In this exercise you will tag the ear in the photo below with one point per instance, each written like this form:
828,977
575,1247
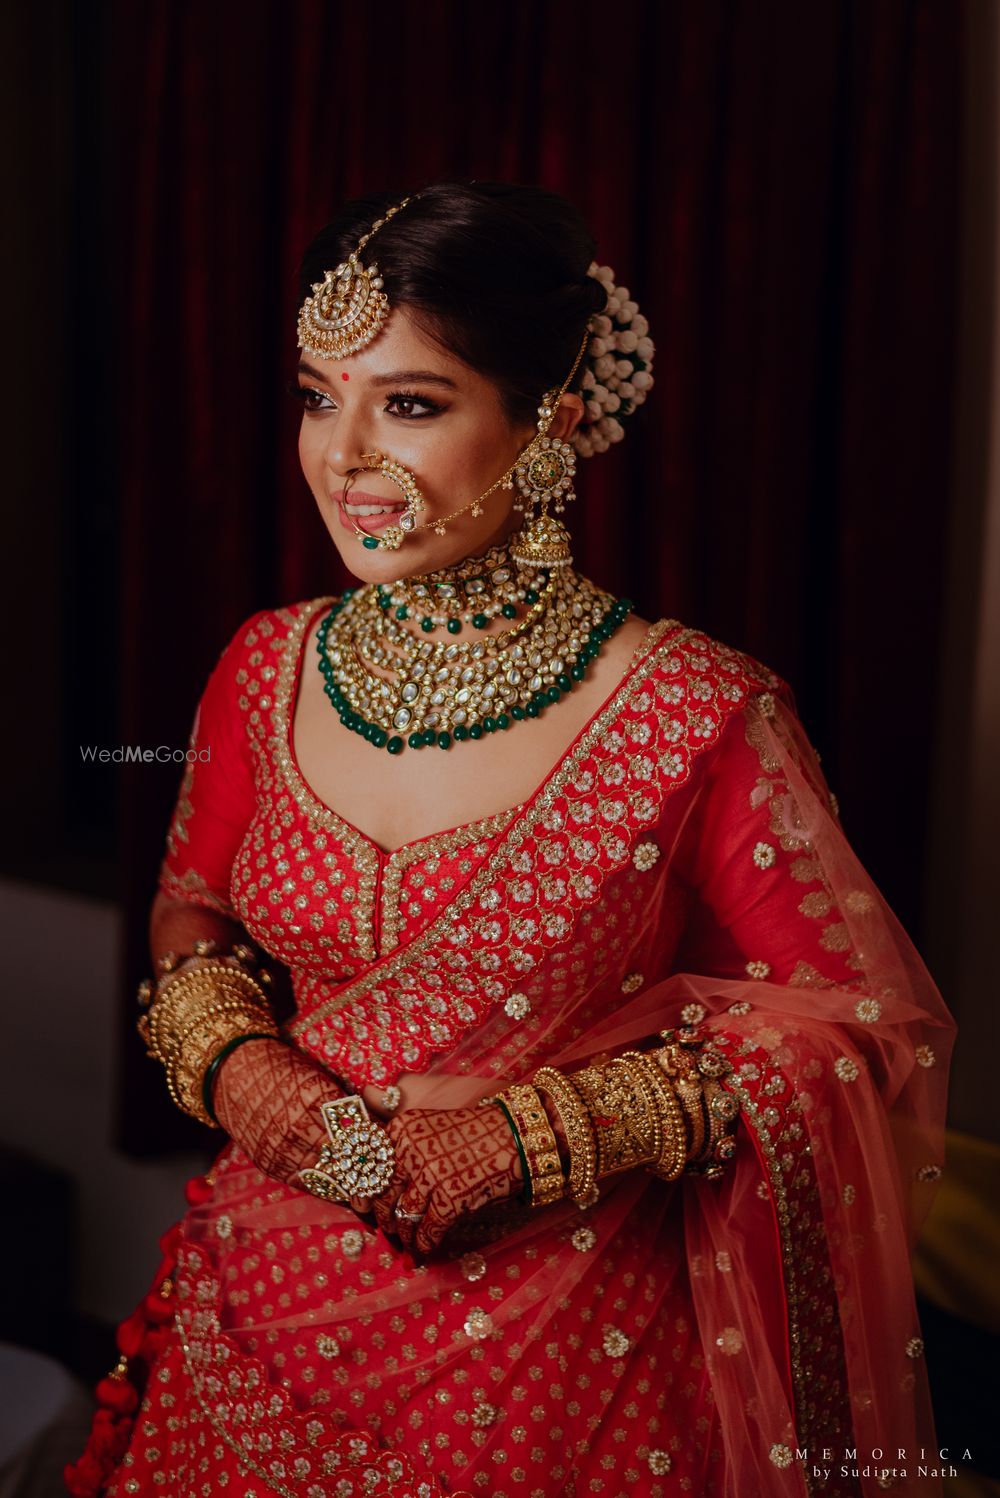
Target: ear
567,417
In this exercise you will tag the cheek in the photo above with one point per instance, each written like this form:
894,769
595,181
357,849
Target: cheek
310,451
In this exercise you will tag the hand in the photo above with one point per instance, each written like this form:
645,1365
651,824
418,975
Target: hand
267,1097
450,1162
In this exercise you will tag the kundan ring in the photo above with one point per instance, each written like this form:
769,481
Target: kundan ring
409,1216
359,1158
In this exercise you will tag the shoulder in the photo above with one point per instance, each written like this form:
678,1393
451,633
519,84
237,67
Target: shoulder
703,668
265,633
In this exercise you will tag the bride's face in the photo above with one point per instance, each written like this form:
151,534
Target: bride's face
405,397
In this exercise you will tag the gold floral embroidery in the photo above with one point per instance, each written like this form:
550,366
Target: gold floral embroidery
191,886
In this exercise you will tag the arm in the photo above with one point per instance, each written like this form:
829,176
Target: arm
264,1094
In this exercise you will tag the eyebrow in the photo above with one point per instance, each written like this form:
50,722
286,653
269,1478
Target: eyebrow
395,377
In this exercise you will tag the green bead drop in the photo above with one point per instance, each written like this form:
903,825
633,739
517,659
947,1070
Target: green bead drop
427,625
370,543
395,745
476,731
509,611
454,625
402,612
416,741
444,740
480,621
503,721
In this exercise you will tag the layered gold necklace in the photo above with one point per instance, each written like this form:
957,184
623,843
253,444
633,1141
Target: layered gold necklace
397,687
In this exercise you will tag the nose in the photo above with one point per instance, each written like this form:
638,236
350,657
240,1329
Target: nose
347,443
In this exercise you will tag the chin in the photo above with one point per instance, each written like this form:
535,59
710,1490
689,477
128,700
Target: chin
425,552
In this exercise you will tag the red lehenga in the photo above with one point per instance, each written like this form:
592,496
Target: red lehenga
681,864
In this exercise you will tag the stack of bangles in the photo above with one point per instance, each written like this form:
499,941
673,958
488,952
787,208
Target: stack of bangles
666,1110
196,1016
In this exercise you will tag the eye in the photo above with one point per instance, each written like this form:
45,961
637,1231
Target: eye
310,399
410,407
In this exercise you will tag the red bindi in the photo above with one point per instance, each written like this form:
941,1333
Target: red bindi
345,377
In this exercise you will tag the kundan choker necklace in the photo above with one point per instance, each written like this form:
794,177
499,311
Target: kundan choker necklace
396,687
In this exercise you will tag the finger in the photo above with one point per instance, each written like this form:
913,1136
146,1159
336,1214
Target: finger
383,1206
362,1205
430,1230
408,1213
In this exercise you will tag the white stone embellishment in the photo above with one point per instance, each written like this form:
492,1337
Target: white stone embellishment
645,856
326,1346
764,855
583,1240
484,1414
224,1228
757,968
473,1266
352,1241
929,1173
780,1454
924,1056
632,982
616,1344
868,1010
740,1007
478,1324
730,1341
659,1462
846,1069
693,1014
915,1348
517,1005
848,1195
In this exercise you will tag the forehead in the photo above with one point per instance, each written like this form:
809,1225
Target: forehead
401,348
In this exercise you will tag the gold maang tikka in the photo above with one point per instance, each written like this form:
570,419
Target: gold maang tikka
348,308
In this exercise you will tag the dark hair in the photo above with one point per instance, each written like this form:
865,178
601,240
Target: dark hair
494,273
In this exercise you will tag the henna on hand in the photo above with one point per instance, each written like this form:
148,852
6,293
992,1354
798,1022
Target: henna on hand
267,1097
450,1163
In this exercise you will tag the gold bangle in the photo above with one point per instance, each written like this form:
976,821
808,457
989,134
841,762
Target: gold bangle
185,1074
673,1149
686,1079
186,994
194,1015
545,1172
581,1184
626,1125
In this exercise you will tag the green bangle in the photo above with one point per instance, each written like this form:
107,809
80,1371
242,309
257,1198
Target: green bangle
526,1192
212,1069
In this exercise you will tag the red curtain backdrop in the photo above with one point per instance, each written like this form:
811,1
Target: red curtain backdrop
777,185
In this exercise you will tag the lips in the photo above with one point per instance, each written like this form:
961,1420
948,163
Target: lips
367,522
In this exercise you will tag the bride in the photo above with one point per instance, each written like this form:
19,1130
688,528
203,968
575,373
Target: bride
589,1158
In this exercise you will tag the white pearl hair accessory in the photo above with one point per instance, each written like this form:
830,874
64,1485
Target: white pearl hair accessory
617,369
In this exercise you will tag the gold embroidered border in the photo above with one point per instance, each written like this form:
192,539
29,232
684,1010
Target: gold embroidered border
438,845
245,1460
516,835
751,1113
361,850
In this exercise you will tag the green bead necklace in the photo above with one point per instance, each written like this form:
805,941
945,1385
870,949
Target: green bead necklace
453,691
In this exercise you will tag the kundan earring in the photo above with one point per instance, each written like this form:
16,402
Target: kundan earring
544,476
